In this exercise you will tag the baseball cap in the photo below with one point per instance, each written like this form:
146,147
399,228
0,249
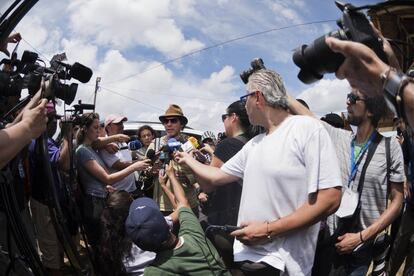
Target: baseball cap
145,224
114,118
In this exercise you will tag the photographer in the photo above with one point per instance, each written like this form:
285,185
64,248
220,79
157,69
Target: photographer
94,175
369,74
50,248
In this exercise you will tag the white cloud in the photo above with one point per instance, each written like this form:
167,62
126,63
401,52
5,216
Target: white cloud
326,96
146,96
129,23
80,51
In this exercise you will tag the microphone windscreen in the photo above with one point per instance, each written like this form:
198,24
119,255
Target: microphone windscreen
134,145
194,141
80,72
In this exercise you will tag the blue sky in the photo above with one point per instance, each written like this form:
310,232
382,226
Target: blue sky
120,39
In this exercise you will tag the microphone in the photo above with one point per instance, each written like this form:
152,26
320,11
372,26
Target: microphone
77,71
190,145
132,146
173,145
151,155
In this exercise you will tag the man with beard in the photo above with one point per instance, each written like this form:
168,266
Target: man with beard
366,188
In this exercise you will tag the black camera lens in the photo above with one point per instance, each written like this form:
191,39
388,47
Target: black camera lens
316,59
65,92
256,64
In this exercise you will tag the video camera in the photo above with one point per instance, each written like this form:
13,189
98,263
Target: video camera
256,64
12,81
316,59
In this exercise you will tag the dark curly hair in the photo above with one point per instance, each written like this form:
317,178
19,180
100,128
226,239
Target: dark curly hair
145,127
377,107
115,244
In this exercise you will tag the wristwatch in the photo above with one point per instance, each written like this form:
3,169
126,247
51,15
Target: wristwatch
393,86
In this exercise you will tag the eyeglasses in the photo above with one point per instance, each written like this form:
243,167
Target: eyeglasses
243,99
171,120
352,98
224,116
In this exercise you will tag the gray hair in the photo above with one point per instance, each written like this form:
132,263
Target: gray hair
271,85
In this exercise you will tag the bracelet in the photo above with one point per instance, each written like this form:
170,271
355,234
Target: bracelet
360,236
268,236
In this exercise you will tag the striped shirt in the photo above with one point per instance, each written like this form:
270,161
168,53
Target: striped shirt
374,193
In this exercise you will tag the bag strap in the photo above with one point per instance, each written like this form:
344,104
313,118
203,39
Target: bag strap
388,157
370,154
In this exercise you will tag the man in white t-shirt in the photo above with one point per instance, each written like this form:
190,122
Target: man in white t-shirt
291,180
114,124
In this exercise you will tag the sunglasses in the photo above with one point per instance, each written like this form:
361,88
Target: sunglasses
352,98
170,120
224,117
243,99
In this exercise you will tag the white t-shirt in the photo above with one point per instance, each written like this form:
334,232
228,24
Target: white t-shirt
127,183
279,171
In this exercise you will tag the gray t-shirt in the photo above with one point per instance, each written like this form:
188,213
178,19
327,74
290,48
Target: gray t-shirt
92,186
374,193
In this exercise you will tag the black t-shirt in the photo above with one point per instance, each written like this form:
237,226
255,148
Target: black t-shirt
223,203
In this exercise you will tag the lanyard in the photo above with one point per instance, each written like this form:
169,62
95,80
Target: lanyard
354,165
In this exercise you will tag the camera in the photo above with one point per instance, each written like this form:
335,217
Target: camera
316,59
380,250
11,81
255,65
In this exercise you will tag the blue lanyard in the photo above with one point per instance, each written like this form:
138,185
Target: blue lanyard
354,165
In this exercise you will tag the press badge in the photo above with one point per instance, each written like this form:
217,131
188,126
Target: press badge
349,203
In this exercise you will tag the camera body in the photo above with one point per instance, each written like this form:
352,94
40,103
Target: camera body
12,82
316,59
255,65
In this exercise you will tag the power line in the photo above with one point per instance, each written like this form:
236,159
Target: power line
172,95
220,44
130,98
145,104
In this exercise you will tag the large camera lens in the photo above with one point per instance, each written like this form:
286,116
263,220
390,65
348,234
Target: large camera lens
65,92
316,59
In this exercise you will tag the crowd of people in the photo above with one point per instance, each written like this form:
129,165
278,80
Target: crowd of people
284,193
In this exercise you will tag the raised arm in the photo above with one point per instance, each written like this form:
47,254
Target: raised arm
179,193
14,138
363,69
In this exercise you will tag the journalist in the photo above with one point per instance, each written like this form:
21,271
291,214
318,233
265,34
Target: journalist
94,175
114,124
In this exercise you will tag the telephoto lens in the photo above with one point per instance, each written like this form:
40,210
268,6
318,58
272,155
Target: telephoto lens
379,253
